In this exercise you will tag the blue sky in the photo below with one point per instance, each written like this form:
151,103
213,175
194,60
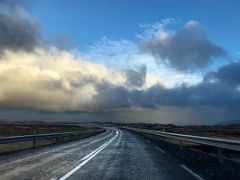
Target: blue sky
87,21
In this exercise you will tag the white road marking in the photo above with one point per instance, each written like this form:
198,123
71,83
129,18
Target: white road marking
88,158
191,172
55,150
162,151
148,141
90,154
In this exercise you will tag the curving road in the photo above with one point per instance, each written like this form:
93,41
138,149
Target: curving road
114,154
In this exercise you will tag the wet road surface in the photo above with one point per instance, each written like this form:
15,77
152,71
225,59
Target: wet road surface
114,154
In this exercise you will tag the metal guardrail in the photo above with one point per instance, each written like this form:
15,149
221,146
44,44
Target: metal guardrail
215,142
34,138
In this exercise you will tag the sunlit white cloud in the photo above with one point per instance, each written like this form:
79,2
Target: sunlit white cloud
51,80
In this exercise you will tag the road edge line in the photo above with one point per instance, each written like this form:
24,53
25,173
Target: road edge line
89,157
159,149
191,172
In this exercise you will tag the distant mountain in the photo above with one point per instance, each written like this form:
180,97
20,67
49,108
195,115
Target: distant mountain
230,122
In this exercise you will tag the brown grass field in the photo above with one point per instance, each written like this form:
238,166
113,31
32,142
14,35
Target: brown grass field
19,129
222,131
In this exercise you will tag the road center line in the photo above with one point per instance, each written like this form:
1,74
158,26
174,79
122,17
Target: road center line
162,151
191,172
88,158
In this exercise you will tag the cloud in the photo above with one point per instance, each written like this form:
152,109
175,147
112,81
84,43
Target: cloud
152,30
122,54
34,78
18,31
136,77
185,50
51,80
56,81
110,97
202,94
229,73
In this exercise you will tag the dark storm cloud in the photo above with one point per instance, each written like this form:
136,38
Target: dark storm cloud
110,96
220,93
136,77
229,73
185,50
204,94
18,31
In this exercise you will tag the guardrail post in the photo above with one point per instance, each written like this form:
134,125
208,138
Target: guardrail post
220,155
164,139
34,140
181,144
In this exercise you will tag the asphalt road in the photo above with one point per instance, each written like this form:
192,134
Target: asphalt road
114,154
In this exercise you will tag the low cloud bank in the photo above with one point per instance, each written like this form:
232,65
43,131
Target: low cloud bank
56,81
